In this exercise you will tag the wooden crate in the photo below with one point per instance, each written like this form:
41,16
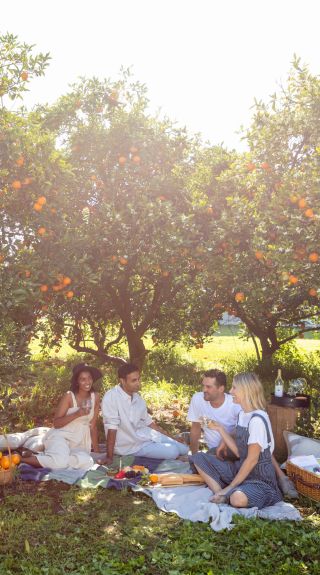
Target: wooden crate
282,419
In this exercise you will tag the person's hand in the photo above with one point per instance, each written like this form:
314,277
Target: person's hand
82,411
221,451
105,460
215,425
220,496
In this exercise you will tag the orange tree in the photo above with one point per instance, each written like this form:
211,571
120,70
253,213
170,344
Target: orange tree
261,237
115,244
20,161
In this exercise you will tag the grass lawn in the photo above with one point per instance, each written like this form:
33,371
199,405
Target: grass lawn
50,528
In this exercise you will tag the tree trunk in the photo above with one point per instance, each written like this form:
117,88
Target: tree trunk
137,350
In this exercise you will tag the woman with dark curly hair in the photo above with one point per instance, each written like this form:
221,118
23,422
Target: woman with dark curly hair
74,431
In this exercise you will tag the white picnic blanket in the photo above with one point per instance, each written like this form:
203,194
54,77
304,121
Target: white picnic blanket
192,503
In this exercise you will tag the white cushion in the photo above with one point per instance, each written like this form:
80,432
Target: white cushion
299,445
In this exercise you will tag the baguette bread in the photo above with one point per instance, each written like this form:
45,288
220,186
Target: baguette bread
179,479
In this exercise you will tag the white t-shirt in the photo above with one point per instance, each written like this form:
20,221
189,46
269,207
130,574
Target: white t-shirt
226,414
129,416
257,429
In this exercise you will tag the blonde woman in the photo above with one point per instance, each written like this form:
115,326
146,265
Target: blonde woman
250,481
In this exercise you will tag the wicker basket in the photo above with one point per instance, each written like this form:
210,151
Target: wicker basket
6,475
306,482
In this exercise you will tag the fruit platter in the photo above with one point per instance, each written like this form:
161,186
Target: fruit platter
152,479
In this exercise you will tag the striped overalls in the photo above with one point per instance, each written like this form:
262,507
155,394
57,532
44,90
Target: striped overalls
260,486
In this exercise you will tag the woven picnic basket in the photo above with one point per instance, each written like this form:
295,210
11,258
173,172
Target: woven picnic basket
6,475
306,482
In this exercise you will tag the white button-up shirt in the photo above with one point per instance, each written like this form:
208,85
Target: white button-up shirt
128,415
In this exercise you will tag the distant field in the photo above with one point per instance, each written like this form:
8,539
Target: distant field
225,344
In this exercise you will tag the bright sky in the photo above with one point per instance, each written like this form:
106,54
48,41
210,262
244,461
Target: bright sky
203,61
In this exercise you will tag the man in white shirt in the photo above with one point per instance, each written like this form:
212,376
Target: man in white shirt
211,403
129,428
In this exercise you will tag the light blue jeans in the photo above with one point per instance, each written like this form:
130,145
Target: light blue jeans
166,448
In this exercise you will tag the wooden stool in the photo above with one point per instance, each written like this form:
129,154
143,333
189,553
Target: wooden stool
282,418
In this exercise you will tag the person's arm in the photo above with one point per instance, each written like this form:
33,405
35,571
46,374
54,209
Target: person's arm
111,420
61,418
93,424
111,440
195,434
226,437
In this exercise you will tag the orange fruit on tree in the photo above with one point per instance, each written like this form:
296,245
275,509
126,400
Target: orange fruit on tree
5,462
20,161
66,281
15,458
250,166
302,203
133,150
136,159
239,297
41,231
44,288
313,257
24,75
176,413
313,292
309,213
293,199
293,279
37,207
259,255
123,261
69,294
42,200
265,166
27,181
122,160
16,184
27,273
210,211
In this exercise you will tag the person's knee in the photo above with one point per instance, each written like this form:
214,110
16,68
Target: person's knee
238,499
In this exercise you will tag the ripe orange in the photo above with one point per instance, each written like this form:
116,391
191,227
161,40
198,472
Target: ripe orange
313,292
42,200
43,288
210,211
66,281
154,478
239,297
309,213
41,231
265,166
293,279
122,160
259,255
37,207
69,294
313,257
302,203
24,75
20,161
250,167
136,159
176,413
165,274
16,185
5,462
293,199
15,458
27,273
123,261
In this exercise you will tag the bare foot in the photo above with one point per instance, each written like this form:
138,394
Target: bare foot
218,499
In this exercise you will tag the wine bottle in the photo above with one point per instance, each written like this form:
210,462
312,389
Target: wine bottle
278,385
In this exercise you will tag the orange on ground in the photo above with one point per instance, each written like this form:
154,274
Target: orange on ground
69,294
313,257
313,292
16,184
239,297
43,288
